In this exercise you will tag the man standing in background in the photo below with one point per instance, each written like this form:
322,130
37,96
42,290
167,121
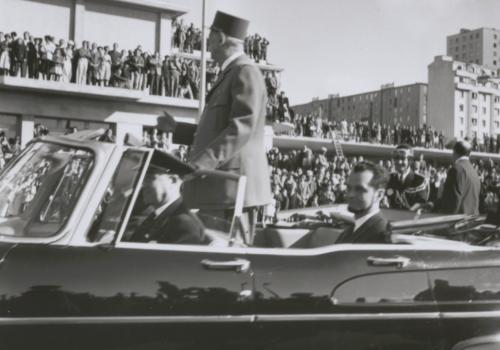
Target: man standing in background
462,186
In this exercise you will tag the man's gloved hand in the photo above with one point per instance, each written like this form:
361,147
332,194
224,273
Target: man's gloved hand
166,122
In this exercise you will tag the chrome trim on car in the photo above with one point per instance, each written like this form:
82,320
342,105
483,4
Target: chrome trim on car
24,321
247,318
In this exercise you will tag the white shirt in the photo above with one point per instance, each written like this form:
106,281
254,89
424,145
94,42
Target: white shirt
230,59
403,176
363,219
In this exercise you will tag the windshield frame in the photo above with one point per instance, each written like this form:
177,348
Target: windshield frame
101,153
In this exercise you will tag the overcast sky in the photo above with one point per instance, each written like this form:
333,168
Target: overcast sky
351,46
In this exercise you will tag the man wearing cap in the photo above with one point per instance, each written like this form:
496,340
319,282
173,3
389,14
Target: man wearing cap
406,189
171,221
230,134
462,185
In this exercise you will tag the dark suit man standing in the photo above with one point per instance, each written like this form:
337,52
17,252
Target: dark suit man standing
171,221
406,189
462,186
230,134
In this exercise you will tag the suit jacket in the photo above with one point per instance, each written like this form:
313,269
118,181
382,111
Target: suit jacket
230,137
174,225
461,190
404,194
374,230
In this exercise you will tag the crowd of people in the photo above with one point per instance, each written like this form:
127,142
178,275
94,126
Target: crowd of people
9,147
255,47
303,178
92,64
185,38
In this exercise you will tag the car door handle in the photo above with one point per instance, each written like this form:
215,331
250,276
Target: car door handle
238,265
399,261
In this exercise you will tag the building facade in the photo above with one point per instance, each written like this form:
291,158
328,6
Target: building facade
391,105
480,46
463,99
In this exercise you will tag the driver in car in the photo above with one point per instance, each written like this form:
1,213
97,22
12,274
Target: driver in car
171,221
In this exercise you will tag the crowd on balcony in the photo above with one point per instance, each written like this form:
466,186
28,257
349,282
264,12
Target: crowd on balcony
255,46
93,64
303,178
185,38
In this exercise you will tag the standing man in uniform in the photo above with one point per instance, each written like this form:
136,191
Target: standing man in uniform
406,189
230,134
462,186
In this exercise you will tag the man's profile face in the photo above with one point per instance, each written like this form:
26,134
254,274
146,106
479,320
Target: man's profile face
361,195
214,39
401,160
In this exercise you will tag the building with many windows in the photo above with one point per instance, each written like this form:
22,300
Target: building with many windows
463,98
390,105
480,46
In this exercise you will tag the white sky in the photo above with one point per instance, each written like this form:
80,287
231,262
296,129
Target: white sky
351,46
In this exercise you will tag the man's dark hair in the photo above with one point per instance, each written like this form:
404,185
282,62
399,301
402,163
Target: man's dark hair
380,175
462,148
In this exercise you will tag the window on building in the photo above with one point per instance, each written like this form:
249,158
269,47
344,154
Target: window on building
474,121
477,35
497,99
462,121
497,112
494,63
462,94
461,79
474,95
461,133
484,98
395,102
474,109
495,45
461,108
484,110
484,123
497,124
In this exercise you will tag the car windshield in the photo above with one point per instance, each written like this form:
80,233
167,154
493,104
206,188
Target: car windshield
38,192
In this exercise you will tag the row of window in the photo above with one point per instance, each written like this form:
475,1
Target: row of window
471,37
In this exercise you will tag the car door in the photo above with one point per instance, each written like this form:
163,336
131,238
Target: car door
344,297
465,282
99,292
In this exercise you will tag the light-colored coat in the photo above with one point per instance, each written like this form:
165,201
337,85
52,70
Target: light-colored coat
230,137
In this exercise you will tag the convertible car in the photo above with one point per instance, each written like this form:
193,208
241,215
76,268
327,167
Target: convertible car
71,278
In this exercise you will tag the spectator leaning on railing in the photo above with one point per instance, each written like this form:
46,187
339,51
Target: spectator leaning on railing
93,64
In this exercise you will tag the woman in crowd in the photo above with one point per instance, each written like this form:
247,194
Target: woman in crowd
68,62
56,66
4,54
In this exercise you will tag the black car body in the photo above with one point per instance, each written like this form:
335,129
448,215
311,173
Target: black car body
69,279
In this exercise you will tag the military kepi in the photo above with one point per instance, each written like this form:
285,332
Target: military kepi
233,26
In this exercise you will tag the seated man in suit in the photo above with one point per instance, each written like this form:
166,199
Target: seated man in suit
171,221
365,189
